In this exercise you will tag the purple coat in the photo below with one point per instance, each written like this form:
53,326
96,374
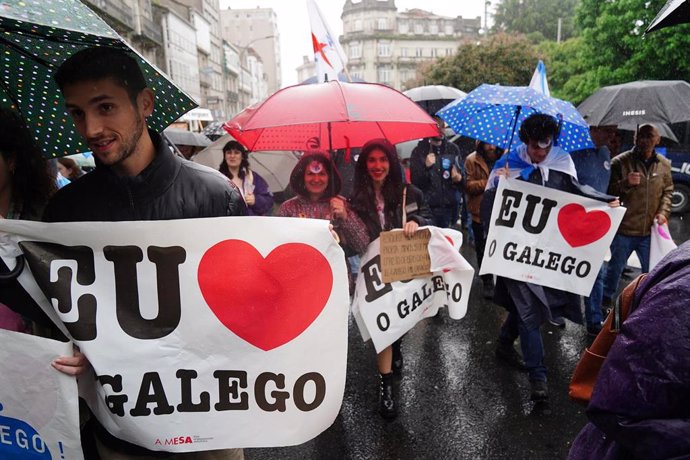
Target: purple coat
640,407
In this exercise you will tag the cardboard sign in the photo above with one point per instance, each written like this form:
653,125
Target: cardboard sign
404,258
548,237
39,412
204,333
385,311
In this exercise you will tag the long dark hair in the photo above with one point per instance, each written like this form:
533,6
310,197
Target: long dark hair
31,184
297,175
244,165
364,198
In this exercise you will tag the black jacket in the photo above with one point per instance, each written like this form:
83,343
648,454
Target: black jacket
169,188
436,183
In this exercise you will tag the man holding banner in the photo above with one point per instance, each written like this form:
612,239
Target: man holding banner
534,274
136,178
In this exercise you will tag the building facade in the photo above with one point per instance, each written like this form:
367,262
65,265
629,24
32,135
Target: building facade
256,29
387,46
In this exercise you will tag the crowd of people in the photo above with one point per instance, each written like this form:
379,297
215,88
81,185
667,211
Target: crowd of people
138,178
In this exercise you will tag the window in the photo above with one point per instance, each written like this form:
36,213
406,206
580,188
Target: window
433,28
433,52
384,49
419,28
403,52
449,29
449,51
384,75
382,24
404,76
355,51
358,24
403,27
419,52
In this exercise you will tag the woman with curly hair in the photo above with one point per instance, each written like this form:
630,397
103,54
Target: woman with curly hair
235,166
317,183
25,187
384,201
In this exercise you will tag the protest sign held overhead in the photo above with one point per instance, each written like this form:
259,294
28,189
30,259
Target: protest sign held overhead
386,311
205,333
548,237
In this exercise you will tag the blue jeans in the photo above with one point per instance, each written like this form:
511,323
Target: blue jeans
530,343
621,248
593,302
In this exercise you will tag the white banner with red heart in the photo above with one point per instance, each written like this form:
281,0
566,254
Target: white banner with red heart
39,414
548,237
203,333
384,312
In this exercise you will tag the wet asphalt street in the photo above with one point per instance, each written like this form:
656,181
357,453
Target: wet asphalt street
456,400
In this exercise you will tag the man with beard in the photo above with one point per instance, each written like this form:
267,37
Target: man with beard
137,177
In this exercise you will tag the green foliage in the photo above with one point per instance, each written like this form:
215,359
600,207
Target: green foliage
613,50
508,60
530,16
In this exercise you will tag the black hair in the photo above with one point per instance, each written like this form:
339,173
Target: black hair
364,197
31,184
98,63
297,175
538,127
244,165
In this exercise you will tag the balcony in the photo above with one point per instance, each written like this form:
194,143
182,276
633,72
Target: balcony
115,10
205,79
150,30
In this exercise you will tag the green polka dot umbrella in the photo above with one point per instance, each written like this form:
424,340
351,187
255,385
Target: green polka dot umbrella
37,36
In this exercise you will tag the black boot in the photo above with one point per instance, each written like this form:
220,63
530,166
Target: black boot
388,407
539,390
397,357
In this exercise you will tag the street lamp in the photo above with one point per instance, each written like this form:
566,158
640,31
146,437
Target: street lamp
243,50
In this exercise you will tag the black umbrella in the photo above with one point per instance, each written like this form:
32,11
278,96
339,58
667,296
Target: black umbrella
673,13
433,98
638,102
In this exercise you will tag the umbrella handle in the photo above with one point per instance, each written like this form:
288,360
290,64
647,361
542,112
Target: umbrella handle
15,272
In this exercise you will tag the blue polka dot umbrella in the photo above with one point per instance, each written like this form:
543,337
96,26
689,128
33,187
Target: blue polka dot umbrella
494,113
37,36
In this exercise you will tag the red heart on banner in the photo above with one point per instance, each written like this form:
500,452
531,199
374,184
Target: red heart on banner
265,301
579,227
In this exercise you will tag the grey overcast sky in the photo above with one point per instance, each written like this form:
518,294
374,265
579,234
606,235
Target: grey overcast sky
295,31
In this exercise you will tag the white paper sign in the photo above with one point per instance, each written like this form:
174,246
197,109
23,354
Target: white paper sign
203,333
39,412
548,237
386,311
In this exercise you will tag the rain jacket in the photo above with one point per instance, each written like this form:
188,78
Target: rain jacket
640,407
644,201
477,174
168,188
436,182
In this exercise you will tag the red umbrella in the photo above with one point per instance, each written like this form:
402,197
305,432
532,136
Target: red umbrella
328,116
